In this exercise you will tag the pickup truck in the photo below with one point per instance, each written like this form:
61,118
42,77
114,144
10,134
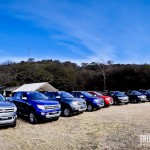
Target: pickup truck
136,96
118,97
107,99
69,104
36,106
146,93
91,101
8,113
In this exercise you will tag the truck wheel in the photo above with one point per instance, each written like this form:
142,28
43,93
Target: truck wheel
116,103
67,112
14,124
89,107
134,100
32,118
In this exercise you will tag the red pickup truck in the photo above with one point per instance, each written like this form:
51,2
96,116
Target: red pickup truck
107,99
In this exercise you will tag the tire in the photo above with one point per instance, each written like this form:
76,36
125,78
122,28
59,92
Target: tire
105,105
126,103
67,112
115,103
136,101
32,118
89,107
14,124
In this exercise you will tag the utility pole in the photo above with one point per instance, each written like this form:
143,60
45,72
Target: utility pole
28,53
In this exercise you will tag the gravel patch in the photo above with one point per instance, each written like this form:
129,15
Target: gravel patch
113,128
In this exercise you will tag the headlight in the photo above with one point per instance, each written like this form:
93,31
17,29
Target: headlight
59,106
41,107
75,103
15,109
119,98
97,100
108,99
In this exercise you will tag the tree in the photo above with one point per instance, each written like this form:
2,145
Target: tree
105,70
30,60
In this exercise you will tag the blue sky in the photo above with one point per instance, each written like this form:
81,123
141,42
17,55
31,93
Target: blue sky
75,30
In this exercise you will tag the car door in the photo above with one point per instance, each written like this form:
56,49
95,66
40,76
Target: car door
131,96
16,100
24,103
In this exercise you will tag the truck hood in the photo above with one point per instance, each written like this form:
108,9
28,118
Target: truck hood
6,104
45,102
105,96
139,94
123,96
75,99
94,98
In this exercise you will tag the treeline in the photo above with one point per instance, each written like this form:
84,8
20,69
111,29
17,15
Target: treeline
70,76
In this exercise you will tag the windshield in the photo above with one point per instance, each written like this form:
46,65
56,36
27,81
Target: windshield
37,96
118,93
136,93
2,98
66,95
97,93
87,94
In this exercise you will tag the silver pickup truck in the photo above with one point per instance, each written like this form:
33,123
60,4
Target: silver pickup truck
8,112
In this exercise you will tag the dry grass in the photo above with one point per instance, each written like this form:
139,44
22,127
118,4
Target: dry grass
115,128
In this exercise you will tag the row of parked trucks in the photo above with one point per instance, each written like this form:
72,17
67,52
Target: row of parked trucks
38,106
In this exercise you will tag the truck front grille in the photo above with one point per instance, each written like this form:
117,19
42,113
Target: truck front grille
50,107
81,103
6,110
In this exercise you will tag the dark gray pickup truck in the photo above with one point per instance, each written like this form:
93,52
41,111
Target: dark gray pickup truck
8,112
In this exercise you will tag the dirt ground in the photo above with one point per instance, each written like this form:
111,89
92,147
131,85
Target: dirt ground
113,128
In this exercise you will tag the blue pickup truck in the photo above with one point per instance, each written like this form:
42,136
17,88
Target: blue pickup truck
69,104
36,106
92,101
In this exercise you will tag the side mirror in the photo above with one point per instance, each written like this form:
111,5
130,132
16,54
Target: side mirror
47,97
94,95
81,96
7,99
24,98
58,97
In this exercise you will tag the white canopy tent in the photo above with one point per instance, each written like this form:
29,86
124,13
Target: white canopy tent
43,86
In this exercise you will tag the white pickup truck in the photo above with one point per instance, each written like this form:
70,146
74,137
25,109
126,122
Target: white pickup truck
8,113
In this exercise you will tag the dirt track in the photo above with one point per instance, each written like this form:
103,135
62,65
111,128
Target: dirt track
116,127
